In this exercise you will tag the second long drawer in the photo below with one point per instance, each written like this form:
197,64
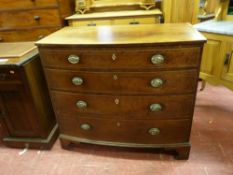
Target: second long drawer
125,107
163,82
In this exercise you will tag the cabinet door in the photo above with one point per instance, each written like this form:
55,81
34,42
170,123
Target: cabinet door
19,114
210,57
227,71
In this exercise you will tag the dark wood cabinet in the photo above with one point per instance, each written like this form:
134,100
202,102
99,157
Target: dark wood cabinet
26,114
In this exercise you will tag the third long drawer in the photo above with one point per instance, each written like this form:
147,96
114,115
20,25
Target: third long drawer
123,106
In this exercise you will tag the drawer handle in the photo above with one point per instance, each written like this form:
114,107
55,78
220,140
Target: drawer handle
77,81
157,59
114,57
91,24
156,107
73,59
154,131
81,104
227,59
85,127
36,18
157,82
134,23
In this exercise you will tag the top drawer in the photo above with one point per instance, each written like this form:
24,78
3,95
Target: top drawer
9,79
12,4
133,58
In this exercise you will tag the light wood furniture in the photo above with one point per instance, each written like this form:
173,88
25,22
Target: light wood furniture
115,88
109,12
26,115
132,17
30,20
217,59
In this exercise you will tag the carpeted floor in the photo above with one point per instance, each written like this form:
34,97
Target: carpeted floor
211,153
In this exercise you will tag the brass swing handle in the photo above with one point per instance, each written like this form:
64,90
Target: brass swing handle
227,58
36,18
134,23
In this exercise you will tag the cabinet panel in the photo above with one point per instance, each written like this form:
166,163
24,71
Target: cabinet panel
17,114
209,57
227,72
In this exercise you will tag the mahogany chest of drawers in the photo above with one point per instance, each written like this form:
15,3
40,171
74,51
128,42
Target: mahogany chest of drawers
26,115
31,20
131,86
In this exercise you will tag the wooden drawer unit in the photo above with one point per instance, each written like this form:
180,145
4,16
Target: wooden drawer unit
111,87
31,20
26,115
102,58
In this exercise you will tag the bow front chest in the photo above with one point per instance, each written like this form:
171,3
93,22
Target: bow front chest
131,86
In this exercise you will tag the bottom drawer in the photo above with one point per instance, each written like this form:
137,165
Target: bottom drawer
127,131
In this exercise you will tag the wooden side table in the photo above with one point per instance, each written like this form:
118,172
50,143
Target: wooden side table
26,114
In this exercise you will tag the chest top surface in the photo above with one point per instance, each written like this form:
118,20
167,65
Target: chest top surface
16,53
124,35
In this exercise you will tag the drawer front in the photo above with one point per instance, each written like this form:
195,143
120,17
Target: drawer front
10,79
144,132
90,23
32,18
125,107
11,4
137,20
163,82
26,35
135,58
8,75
